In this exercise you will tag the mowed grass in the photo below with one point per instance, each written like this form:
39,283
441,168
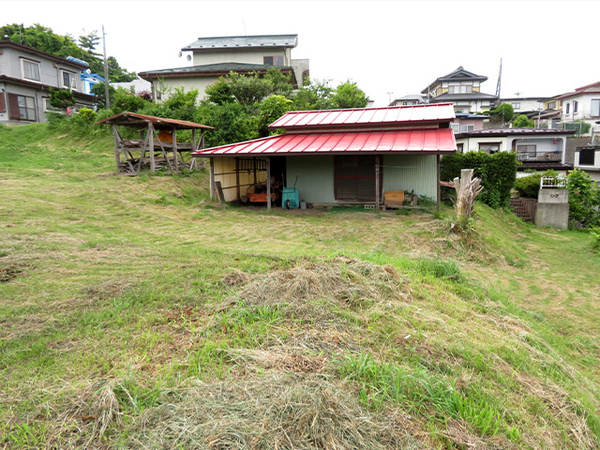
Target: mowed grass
137,313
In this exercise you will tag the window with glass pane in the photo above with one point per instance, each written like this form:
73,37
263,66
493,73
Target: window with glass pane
26,107
595,107
31,70
273,60
69,80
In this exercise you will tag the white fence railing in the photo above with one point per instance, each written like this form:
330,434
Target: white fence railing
553,183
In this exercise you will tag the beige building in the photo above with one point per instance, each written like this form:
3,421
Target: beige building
214,57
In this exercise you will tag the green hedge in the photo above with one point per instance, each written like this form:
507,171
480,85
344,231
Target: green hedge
497,173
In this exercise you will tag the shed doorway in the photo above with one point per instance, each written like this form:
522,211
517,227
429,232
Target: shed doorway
355,179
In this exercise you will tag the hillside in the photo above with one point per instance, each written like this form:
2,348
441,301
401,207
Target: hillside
137,313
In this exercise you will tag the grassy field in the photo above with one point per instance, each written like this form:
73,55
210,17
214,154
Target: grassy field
137,313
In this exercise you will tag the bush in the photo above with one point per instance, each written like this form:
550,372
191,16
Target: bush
584,200
497,173
529,186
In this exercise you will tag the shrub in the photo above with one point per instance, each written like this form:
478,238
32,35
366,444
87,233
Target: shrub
583,200
497,173
529,186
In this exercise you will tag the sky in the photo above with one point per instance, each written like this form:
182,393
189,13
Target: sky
388,48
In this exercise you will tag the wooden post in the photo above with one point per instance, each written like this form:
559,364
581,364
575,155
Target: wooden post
268,183
439,185
377,161
150,137
175,148
212,178
117,147
237,177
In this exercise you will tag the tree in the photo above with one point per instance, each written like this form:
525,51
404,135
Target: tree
61,98
315,95
348,95
271,109
522,121
501,114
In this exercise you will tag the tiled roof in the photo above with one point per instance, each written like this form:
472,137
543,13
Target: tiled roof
500,132
210,70
227,42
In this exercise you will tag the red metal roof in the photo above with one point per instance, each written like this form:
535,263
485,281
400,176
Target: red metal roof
340,118
434,141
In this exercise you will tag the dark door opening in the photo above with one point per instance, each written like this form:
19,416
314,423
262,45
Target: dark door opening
354,178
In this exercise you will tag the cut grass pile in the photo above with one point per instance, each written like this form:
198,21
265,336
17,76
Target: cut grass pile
137,313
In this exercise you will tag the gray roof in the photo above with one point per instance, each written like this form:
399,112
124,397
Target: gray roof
502,132
210,69
459,74
458,97
228,42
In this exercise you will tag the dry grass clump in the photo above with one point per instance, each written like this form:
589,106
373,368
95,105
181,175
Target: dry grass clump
273,413
308,291
86,419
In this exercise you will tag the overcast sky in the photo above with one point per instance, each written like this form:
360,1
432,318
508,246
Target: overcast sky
389,48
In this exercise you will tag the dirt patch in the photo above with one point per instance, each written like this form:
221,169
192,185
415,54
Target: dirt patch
11,271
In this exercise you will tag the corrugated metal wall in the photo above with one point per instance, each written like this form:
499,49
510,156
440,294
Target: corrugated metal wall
416,173
315,177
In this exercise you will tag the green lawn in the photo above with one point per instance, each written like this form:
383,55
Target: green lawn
137,313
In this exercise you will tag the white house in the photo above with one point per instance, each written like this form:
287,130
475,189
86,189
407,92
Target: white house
583,104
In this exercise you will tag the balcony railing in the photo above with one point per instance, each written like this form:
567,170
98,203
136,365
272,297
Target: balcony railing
539,156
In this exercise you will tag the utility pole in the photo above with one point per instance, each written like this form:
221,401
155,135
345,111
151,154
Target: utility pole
105,70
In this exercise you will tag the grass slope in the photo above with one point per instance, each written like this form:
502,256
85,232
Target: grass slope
136,313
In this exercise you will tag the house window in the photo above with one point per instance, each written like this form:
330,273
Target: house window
21,107
455,127
354,178
567,108
273,60
460,147
2,107
516,105
595,111
489,147
575,104
31,70
465,89
68,80
551,105
587,156
467,128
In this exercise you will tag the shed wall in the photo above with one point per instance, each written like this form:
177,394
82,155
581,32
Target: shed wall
315,177
416,173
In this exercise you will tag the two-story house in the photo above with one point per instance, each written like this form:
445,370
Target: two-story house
26,76
463,89
214,57
583,104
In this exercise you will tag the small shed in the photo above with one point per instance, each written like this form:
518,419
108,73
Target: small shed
158,146
340,157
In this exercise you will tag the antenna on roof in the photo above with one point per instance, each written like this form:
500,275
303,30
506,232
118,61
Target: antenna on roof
499,81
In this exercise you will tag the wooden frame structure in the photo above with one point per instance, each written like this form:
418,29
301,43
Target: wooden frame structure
158,146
